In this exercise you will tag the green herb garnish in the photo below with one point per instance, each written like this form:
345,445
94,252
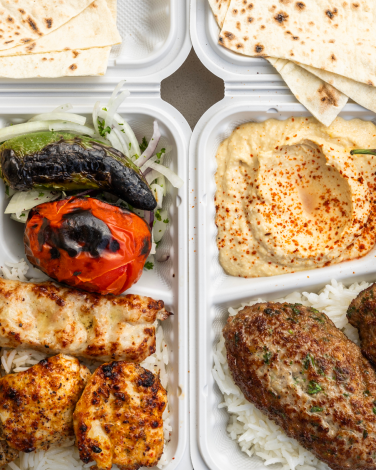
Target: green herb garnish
313,388
315,409
149,265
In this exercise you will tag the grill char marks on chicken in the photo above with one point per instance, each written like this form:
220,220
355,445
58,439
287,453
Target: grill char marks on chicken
294,365
362,315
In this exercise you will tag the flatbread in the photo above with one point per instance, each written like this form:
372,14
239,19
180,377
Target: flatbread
56,64
331,35
219,8
365,95
23,21
93,27
322,100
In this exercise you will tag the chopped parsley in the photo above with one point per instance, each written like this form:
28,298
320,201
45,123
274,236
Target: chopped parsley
309,359
313,388
158,215
40,194
166,221
267,355
143,145
149,265
316,409
103,131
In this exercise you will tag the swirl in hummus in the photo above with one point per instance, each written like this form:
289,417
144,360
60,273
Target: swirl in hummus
290,197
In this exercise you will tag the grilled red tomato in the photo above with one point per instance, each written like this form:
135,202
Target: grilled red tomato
88,244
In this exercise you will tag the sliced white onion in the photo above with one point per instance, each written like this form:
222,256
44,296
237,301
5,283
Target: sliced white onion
120,124
125,148
118,87
150,149
160,227
158,194
152,176
25,200
63,108
95,116
70,126
21,129
113,107
162,182
174,179
20,216
69,117
153,248
115,142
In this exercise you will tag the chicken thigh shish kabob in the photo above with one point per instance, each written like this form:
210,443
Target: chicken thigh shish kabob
295,366
119,403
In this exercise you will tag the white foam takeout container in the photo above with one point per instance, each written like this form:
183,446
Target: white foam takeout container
144,61
253,93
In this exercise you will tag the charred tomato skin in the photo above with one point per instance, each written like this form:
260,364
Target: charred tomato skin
88,244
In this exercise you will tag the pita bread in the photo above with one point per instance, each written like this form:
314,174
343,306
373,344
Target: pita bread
331,35
56,64
93,27
365,95
24,21
322,100
219,8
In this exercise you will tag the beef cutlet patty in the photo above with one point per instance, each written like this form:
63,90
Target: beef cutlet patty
362,315
293,364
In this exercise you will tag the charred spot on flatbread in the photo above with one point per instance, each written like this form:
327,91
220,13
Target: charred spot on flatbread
355,5
31,47
75,54
300,6
250,6
229,35
331,13
73,67
26,40
370,82
281,17
333,58
10,19
238,26
259,48
328,95
49,22
239,46
250,19
234,11
295,38
33,25
8,42
21,11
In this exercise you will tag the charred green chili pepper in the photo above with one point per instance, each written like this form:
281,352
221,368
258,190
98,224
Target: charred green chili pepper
63,161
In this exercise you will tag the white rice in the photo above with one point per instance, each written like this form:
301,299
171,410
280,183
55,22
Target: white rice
66,456
254,432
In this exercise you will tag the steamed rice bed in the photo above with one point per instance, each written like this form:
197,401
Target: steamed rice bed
66,456
256,434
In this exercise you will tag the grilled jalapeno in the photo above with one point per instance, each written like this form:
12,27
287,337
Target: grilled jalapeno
58,160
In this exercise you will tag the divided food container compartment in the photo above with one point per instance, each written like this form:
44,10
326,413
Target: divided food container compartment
144,60
253,92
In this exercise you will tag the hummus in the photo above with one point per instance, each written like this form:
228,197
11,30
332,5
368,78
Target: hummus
290,197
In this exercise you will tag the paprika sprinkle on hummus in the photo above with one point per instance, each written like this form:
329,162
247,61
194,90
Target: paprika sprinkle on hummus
290,196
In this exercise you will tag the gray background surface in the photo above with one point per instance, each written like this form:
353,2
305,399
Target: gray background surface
192,89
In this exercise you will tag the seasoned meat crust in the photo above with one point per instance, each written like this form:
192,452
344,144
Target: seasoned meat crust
308,377
118,419
7,454
36,406
362,315
70,321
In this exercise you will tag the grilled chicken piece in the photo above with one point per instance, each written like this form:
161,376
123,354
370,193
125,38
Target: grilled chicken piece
362,315
7,454
118,419
36,406
70,321
293,364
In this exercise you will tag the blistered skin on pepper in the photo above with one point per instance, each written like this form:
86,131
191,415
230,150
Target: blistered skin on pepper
88,244
73,162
